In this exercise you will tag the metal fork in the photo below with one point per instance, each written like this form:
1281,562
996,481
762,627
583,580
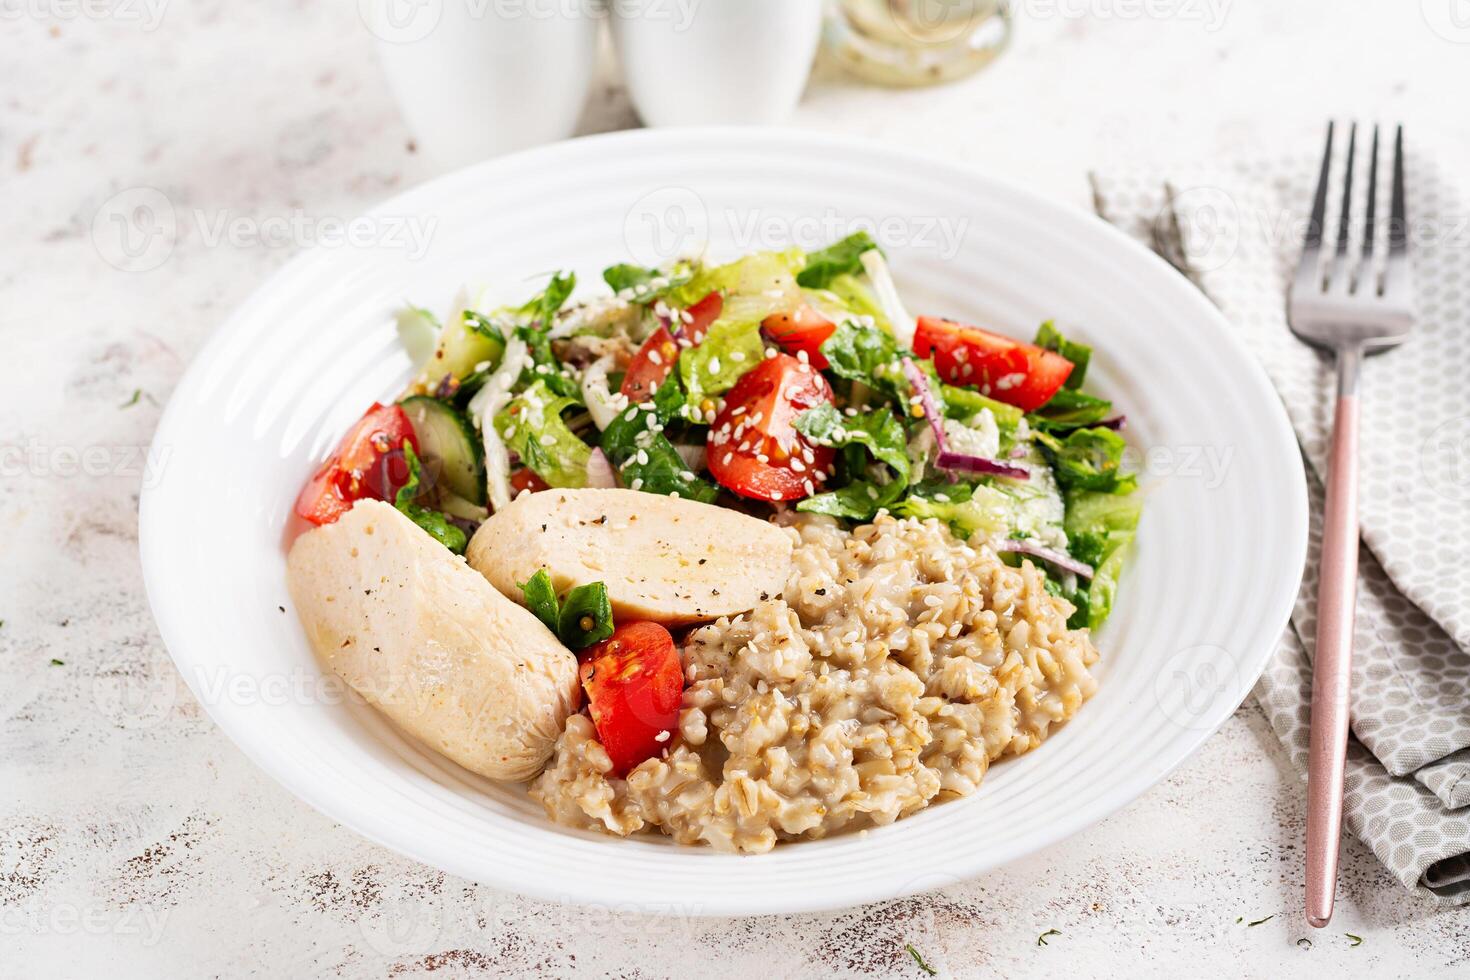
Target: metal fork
1347,305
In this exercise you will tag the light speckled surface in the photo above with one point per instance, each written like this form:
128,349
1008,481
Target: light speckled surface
135,840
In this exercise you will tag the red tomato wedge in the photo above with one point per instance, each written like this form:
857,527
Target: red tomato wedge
635,685
526,479
753,446
803,329
656,358
368,463
1007,370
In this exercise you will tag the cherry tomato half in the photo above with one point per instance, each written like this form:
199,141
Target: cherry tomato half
656,358
526,479
1007,370
753,446
635,686
368,463
803,329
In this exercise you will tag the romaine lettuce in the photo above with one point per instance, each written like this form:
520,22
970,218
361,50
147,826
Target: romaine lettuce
532,427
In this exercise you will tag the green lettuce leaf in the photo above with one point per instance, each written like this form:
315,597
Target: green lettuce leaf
860,500
1100,527
532,427
1088,459
877,431
645,459
868,356
838,259
648,284
1068,409
978,509
1049,337
727,353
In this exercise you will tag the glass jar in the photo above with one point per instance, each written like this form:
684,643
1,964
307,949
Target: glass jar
916,42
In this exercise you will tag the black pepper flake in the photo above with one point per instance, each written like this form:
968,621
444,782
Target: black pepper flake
543,528
281,608
821,592
765,596
714,591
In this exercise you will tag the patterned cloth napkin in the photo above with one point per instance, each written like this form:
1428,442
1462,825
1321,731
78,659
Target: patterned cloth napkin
1236,231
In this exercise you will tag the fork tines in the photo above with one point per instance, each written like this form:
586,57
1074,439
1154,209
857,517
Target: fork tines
1345,271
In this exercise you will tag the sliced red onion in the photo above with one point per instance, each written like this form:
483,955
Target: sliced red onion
693,456
950,460
600,473
981,464
926,399
1057,558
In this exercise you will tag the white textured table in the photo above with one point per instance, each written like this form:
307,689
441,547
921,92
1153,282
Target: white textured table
136,841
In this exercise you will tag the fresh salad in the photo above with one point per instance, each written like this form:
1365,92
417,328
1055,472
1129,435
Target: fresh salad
781,380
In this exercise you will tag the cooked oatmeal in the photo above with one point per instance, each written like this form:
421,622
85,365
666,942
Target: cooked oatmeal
895,666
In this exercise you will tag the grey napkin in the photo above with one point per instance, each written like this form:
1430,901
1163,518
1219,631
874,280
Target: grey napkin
1236,231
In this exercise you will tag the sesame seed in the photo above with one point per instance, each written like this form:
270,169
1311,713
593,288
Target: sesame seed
642,457
547,440
714,365
770,352
655,357
637,483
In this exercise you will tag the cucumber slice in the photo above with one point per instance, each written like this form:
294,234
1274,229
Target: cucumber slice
449,442
460,351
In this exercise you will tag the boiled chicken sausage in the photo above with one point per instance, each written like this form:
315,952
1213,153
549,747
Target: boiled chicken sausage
664,559
425,639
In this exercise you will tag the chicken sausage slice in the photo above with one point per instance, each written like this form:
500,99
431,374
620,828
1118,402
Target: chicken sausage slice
426,640
663,559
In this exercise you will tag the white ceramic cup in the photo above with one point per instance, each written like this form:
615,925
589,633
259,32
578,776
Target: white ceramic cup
691,62
477,78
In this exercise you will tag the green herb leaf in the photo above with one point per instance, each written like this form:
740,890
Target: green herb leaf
839,258
481,324
920,960
1259,921
137,394
62,663
586,616
1041,939
541,599
1051,338
543,307
1356,940
436,524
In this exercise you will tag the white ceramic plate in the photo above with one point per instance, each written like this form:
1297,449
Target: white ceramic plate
1215,569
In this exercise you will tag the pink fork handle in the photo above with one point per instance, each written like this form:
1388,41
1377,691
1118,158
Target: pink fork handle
1332,669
